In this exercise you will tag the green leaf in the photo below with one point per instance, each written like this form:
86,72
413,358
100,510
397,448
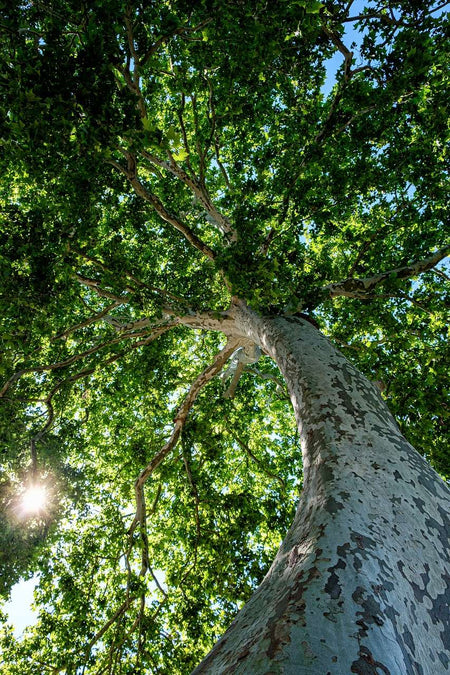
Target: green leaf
180,155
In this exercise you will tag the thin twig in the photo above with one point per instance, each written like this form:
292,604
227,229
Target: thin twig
165,38
257,461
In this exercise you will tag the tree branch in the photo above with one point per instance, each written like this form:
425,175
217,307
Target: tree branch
347,54
141,191
95,285
131,277
165,38
197,189
159,330
179,421
257,461
363,288
92,319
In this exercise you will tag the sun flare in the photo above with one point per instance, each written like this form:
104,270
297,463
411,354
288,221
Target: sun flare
34,499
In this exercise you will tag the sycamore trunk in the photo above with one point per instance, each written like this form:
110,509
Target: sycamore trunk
360,583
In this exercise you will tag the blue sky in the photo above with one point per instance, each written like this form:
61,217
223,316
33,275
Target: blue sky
19,607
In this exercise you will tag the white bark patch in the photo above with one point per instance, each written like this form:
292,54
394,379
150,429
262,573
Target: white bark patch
361,581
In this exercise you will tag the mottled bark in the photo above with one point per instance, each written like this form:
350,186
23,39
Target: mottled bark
361,581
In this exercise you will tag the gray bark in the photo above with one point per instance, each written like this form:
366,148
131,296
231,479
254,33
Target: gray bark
361,581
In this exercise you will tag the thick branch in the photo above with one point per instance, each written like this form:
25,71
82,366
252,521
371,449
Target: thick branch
363,288
172,219
201,194
179,421
141,190
129,275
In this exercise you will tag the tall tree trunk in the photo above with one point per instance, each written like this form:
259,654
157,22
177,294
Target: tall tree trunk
360,583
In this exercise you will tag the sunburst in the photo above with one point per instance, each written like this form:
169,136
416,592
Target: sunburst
34,500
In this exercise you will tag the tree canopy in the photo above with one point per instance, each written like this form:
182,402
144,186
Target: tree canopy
159,159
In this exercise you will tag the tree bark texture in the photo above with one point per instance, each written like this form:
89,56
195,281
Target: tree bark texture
361,582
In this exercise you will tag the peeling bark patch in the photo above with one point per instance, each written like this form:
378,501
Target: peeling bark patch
343,550
409,641
245,652
419,503
333,506
363,542
292,602
440,612
279,625
357,563
310,657
294,557
333,587
443,658
366,664
326,473
421,593
371,611
348,403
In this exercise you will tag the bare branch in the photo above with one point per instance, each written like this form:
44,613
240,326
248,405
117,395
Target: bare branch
348,55
441,274
231,390
372,15
247,354
392,20
118,613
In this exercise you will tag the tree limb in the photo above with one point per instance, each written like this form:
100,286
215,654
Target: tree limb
141,191
363,288
157,332
179,421
92,319
198,190
95,285
131,277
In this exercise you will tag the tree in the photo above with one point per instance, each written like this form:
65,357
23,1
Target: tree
185,194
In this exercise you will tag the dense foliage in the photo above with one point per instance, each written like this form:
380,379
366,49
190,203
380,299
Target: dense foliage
157,159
